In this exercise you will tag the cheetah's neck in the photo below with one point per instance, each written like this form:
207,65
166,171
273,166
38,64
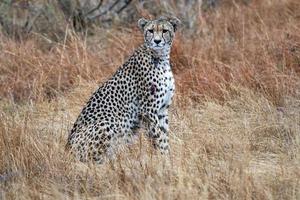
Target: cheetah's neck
162,54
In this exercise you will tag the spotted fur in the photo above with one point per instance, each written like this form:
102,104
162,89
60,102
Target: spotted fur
139,93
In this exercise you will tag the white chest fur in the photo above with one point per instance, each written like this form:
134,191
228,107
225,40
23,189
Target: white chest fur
167,84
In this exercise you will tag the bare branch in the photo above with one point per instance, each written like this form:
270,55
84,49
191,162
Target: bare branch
106,11
30,22
127,2
94,9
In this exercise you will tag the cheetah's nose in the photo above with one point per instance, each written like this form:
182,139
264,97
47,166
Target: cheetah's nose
157,41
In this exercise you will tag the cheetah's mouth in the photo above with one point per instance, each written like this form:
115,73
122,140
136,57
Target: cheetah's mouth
158,46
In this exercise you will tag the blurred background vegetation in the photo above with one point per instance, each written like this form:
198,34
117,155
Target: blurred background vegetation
221,43
20,18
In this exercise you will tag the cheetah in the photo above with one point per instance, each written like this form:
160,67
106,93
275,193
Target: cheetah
138,94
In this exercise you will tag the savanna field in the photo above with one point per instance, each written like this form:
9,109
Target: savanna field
235,118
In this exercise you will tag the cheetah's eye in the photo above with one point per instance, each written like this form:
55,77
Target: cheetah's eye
165,30
151,30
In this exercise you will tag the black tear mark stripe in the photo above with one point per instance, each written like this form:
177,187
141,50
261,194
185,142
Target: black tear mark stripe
148,32
151,34
164,38
162,35
170,36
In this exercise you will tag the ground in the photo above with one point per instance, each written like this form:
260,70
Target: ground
244,149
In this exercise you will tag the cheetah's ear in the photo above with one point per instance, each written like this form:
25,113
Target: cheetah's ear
175,22
142,23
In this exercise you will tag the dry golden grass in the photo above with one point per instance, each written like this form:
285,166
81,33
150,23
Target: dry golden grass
245,149
235,121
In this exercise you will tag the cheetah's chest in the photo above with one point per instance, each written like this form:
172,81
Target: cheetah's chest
167,85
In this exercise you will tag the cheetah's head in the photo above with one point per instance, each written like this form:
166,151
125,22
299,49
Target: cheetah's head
159,33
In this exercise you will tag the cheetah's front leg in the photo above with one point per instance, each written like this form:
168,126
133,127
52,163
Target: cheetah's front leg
162,142
164,127
164,121
158,133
